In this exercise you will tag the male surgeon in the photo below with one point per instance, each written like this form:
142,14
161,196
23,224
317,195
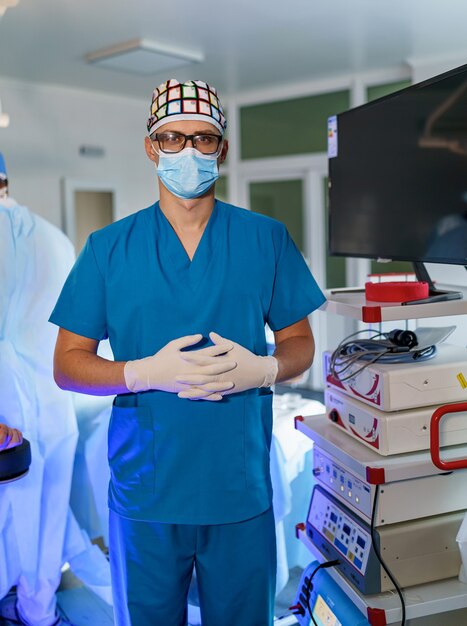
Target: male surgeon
38,532
183,290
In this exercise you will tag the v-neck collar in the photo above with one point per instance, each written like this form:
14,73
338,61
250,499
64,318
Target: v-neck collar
191,272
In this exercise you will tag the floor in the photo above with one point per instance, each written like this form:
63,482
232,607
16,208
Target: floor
287,596
83,608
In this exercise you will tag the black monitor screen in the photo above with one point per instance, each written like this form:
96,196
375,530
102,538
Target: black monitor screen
398,175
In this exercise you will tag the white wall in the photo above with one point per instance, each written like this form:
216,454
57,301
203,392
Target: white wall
48,124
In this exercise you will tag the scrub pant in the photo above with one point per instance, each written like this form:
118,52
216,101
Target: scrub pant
152,565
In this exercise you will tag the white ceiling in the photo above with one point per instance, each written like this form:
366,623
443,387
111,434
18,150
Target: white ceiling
246,43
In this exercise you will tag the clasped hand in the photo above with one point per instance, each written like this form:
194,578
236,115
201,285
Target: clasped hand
251,372
209,373
162,370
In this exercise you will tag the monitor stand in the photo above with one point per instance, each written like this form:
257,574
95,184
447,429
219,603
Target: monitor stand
434,294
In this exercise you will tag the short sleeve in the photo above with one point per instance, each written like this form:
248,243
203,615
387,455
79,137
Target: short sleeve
81,306
295,293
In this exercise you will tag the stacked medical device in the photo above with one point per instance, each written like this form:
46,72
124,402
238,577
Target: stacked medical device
380,510
388,407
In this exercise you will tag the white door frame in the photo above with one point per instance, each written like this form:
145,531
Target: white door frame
69,187
310,169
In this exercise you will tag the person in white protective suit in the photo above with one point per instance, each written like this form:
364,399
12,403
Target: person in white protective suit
38,532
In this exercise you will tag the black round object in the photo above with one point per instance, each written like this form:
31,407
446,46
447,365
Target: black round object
403,338
15,462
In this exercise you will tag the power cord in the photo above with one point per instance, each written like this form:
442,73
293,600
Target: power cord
378,554
308,587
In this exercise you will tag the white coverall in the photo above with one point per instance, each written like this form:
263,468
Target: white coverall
38,531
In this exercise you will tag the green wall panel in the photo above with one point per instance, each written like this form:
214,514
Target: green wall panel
289,127
378,91
282,200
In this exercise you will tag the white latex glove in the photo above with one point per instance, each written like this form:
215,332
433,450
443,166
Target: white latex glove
9,437
161,370
252,371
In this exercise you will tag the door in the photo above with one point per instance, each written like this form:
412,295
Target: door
93,210
295,198
86,207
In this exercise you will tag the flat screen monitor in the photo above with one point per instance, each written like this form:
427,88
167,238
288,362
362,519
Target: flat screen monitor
398,175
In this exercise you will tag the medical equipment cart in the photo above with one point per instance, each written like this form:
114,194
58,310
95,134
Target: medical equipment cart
362,469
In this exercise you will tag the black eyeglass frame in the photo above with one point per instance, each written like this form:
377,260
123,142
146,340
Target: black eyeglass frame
192,138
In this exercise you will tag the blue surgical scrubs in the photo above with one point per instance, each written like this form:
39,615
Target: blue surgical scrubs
173,460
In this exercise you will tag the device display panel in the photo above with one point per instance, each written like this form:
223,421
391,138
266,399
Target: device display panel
323,614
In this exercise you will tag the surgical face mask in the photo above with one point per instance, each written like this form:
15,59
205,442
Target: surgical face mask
188,174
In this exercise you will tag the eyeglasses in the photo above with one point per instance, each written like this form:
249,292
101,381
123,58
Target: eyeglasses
170,142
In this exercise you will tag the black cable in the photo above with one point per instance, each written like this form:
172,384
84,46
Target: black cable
309,587
378,554
355,359
307,596
342,350
370,350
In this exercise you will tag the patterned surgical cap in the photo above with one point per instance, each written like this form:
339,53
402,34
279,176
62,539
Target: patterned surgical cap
193,100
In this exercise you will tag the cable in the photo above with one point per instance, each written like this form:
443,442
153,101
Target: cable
368,351
337,374
309,586
308,590
348,352
378,554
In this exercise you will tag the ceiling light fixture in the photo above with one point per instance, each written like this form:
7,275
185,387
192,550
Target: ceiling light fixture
142,56
4,118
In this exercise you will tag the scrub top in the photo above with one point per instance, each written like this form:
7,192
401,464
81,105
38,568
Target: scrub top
176,460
